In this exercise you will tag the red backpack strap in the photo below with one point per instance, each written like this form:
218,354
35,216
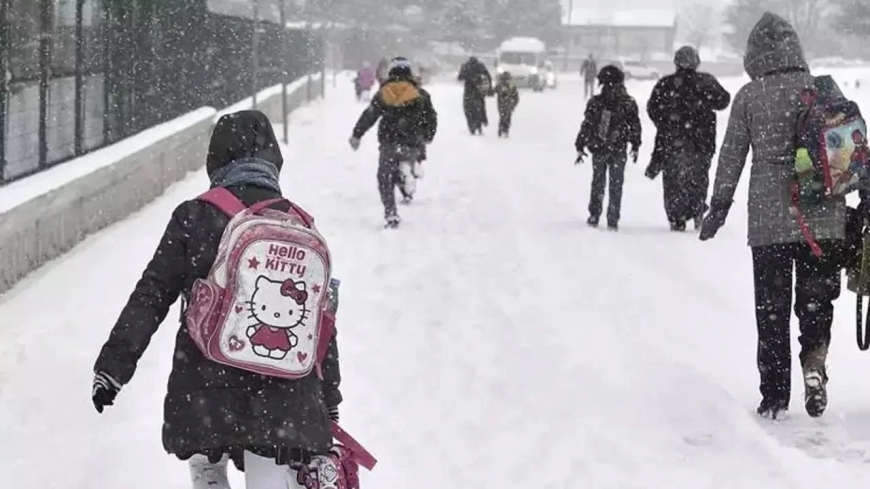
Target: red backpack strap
359,454
806,232
224,200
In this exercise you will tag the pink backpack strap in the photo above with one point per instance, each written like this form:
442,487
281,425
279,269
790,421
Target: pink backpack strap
263,204
360,454
224,200
306,217
806,232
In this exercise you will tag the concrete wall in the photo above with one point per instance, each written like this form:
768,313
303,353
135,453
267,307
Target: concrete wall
44,216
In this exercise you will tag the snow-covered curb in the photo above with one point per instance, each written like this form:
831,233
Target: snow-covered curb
45,215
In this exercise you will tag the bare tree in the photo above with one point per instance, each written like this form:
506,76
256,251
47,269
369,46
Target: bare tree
808,17
700,22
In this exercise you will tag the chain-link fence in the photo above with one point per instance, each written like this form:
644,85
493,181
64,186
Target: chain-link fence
81,74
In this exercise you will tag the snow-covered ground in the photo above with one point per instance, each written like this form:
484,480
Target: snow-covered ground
493,341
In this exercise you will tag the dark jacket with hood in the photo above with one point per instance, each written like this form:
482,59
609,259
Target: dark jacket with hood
682,108
476,78
763,117
405,111
211,408
627,132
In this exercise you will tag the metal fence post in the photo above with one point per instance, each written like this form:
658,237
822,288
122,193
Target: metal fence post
255,40
78,139
4,88
323,46
285,56
45,23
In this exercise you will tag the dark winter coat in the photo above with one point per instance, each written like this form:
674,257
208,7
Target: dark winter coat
682,107
476,78
627,132
211,408
763,117
507,97
478,84
405,111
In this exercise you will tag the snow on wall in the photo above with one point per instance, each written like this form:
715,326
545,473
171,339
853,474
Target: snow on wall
45,215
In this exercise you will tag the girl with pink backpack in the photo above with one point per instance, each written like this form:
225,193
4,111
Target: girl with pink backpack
255,371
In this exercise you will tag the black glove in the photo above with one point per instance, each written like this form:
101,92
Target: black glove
580,155
104,391
714,219
633,153
333,413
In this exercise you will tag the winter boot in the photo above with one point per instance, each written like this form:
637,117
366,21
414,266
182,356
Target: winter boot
393,220
592,221
776,410
678,226
815,382
697,221
612,226
206,475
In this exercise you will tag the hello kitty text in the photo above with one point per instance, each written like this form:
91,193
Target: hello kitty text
282,258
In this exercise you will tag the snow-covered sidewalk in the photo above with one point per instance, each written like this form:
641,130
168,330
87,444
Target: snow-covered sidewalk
493,341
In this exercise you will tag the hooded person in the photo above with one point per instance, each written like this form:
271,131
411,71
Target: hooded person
507,98
611,126
763,117
682,107
408,122
477,85
212,411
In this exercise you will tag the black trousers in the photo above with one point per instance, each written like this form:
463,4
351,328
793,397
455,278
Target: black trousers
686,181
389,175
604,165
504,120
817,285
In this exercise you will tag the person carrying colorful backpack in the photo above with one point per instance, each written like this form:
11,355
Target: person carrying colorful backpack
255,369
789,238
507,98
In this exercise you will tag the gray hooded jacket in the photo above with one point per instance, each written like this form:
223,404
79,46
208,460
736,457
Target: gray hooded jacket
763,116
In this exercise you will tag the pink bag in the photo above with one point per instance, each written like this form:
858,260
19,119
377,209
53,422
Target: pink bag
263,307
339,469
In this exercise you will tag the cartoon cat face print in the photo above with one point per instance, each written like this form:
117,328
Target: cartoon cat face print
279,304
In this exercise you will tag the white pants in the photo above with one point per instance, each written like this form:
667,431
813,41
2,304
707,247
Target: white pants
260,473
206,475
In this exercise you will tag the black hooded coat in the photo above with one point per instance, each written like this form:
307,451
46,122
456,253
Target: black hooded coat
478,84
211,408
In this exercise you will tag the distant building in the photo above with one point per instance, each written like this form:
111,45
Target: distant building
610,33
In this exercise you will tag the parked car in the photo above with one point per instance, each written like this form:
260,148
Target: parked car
639,70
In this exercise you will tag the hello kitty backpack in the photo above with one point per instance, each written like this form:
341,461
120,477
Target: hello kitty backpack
264,305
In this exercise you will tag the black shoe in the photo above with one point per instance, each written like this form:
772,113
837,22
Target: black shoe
697,222
592,221
612,226
393,220
772,409
678,226
815,392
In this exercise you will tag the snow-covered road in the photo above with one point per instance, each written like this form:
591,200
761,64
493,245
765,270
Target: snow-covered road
493,341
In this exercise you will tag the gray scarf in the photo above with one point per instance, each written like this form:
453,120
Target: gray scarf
247,171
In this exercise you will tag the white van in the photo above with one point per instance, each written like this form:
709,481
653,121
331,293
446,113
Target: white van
523,57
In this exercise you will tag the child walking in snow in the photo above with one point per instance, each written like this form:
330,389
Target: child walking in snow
279,427
507,97
611,123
